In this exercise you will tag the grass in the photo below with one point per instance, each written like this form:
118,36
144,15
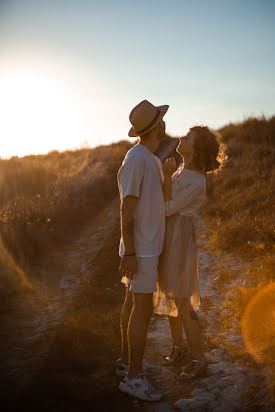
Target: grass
240,196
45,197
46,200
239,211
78,373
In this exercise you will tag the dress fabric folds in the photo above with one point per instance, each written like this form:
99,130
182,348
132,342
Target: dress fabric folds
178,277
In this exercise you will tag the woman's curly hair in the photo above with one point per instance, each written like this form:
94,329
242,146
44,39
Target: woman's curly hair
206,149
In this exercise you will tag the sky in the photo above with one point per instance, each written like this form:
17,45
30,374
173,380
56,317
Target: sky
71,71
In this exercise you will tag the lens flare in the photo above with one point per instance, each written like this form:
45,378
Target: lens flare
258,325
7,261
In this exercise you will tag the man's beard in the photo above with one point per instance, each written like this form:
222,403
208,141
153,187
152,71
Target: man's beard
162,136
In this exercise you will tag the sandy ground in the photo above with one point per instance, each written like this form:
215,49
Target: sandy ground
227,381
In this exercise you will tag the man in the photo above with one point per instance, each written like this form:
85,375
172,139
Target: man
142,234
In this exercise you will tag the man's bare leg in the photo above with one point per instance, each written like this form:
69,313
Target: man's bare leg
124,321
137,331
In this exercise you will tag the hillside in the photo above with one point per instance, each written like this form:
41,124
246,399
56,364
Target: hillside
45,202
240,196
60,222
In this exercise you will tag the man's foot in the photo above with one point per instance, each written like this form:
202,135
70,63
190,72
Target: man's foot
177,356
148,369
140,388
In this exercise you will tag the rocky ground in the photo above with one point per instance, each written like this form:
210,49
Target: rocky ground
233,382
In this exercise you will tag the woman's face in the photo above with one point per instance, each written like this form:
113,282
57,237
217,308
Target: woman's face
186,143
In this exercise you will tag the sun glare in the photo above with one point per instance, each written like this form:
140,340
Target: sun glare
36,114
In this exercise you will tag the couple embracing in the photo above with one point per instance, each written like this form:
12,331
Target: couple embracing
159,263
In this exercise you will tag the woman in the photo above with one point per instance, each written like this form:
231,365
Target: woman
178,285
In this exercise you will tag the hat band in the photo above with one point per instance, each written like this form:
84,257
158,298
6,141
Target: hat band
139,132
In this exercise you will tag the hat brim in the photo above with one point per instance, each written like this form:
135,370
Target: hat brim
162,109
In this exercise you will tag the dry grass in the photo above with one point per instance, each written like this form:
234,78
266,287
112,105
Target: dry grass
44,198
240,196
239,210
45,201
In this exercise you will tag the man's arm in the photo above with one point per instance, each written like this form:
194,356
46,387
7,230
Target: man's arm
128,264
127,207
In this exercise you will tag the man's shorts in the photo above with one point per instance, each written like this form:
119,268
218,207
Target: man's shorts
145,280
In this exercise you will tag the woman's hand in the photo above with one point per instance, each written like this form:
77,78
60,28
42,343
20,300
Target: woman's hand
169,167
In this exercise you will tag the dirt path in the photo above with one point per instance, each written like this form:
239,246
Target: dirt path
229,378
28,333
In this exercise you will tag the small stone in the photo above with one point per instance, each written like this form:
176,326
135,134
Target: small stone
162,407
225,381
206,381
219,367
215,391
217,352
232,394
223,408
198,403
191,404
235,339
196,392
236,370
225,312
206,395
211,386
182,404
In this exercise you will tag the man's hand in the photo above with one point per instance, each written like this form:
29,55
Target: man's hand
128,266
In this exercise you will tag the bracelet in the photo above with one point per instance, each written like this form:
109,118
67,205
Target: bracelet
133,254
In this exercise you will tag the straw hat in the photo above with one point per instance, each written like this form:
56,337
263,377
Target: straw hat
144,117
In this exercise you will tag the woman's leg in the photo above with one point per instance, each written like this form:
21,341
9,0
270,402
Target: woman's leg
192,329
179,351
197,365
176,330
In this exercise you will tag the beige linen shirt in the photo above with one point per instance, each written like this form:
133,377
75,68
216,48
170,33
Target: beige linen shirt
187,193
139,176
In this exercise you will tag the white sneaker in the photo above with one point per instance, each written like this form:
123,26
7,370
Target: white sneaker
141,388
148,368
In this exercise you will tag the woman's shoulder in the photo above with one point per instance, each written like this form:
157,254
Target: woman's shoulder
192,177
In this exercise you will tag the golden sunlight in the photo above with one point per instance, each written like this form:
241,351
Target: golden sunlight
37,114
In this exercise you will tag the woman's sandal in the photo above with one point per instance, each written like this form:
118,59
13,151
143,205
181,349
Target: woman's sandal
194,369
177,356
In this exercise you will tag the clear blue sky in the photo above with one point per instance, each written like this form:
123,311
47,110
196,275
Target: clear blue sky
72,70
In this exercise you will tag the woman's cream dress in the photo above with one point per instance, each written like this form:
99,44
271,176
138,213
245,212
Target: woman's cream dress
178,264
